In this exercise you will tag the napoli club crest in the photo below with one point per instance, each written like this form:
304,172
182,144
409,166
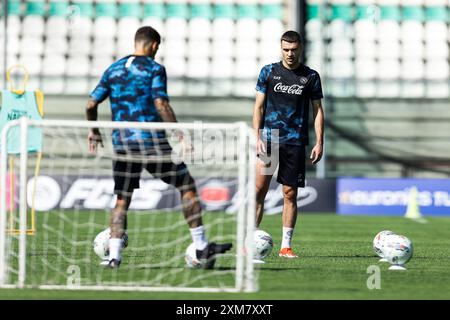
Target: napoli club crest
303,80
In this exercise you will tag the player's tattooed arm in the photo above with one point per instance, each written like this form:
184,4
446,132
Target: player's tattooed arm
165,110
94,136
317,151
258,112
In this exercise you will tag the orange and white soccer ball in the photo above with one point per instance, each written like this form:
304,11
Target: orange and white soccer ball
398,249
379,242
262,244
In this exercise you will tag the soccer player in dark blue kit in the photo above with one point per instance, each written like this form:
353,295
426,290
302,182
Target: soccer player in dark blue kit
280,120
137,89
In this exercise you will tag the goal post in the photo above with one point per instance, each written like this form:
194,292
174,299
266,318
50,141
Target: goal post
74,194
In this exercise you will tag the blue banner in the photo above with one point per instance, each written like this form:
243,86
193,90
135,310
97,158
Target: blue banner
390,197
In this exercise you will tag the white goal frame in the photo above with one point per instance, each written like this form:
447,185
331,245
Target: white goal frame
245,279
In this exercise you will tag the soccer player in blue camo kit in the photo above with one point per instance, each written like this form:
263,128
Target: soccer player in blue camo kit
137,89
280,120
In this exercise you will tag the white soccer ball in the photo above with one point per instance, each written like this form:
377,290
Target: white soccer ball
190,257
263,244
398,249
379,241
101,243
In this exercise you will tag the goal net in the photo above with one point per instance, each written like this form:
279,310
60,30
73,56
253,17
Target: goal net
54,203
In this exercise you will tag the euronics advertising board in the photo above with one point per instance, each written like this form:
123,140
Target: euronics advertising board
390,197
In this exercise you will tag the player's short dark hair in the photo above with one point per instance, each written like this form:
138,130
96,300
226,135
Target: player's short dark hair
147,34
292,36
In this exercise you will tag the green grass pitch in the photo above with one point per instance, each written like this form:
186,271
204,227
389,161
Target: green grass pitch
334,255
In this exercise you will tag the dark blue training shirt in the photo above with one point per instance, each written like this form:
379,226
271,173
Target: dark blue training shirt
132,83
286,108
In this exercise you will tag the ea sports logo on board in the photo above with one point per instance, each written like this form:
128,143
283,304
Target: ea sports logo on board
293,89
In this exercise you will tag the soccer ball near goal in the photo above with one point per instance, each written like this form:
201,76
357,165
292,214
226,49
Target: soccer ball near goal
101,243
263,244
398,250
191,257
379,242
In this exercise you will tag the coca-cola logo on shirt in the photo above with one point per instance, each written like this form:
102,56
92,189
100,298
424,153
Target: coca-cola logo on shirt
292,89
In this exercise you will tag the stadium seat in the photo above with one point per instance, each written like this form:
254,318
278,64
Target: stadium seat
412,69
222,48
81,26
388,29
223,28
365,48
246,48
415,89
13,45
77,85
436,30
78,66
99,65
56,26
31,46
33,26
56,45
365,29
176,87
126,28
104,46
126,47
221,88
437,70
314,29
246,29
340,29
271,29
411,29
246,68
341,68
412,48
79,46
33,64
197,88
388,69
365,89
341,89
53,85
315,63
243,88
176,67
388,89
199,29
437,90
176,29
104,27
436,49
365,68
54,65
198,67
198,48
221,68
14,26
341,48
389,49
174,48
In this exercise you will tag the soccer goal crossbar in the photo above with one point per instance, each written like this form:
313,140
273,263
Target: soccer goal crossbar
53,206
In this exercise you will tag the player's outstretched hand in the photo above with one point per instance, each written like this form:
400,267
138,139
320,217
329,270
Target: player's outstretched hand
316,153
94,139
